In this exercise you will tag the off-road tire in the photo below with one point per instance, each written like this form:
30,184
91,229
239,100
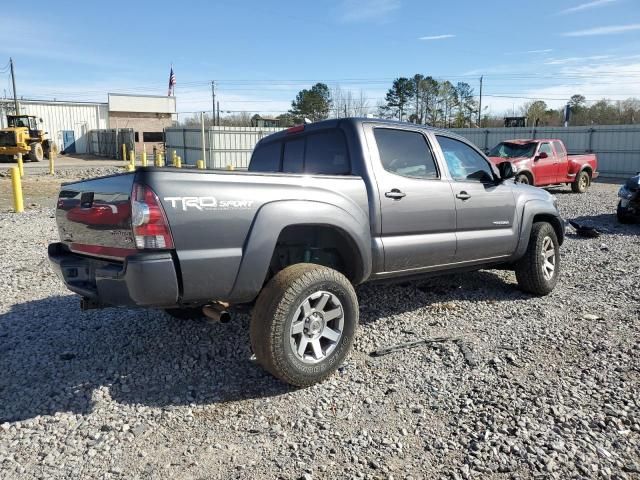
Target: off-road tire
530,268
623,216
50,149
37,153
523,178
581,182
274,313
190,313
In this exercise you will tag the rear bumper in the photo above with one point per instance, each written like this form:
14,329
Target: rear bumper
144,280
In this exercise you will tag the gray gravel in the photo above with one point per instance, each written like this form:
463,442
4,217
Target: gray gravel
532,388
67,173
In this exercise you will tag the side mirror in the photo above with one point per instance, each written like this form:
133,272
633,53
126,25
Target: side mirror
506,170
541,155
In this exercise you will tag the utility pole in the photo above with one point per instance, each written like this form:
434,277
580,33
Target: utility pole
480,105
13,81
218,104
213,102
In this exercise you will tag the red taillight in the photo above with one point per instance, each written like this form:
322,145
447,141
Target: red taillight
296,129
149,222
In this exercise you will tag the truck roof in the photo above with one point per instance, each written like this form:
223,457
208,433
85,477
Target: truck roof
335,122
522,141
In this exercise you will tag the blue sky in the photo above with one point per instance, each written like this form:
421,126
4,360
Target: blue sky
261,53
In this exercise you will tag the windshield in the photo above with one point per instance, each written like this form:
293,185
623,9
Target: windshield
22,121
513,150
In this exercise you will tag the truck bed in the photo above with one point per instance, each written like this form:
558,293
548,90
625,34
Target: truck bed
210,215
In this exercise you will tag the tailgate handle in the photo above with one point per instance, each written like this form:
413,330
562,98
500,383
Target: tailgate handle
86,200
395,194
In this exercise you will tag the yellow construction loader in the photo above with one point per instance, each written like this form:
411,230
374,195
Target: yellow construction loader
22,135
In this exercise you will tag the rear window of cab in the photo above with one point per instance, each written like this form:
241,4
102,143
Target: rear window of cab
324,152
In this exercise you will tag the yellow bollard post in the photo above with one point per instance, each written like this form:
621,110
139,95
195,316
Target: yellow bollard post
18,201
132,158
200,164
178,162
160,159
144,155
52,158
230,167
21,165
174,158
124,152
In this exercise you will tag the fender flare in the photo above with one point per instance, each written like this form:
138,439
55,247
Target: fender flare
274,217
531,209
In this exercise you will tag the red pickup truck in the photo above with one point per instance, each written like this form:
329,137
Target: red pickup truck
543,162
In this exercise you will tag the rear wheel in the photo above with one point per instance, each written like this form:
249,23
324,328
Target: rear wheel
537,272
581,182
303,323
36,154
523,178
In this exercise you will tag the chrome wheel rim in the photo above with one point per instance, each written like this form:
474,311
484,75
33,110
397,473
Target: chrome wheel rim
584,181
316,327
548,258
523,179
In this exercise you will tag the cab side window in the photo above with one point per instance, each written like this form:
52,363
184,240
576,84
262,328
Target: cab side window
405,153
465,164
559,148
293,156
546,148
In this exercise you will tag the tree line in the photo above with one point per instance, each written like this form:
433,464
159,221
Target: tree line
425,100
583,112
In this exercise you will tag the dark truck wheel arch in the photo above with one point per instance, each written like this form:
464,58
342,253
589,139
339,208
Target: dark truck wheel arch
319,244
273,218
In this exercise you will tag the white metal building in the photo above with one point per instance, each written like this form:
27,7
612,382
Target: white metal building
67,123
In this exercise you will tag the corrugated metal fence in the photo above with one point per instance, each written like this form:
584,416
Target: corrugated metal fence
617,146
108,142
224,145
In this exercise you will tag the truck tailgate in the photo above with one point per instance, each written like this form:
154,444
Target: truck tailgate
94,216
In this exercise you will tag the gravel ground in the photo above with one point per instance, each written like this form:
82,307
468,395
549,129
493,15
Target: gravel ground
523,388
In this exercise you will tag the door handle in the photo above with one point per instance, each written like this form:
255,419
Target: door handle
395,194
463,195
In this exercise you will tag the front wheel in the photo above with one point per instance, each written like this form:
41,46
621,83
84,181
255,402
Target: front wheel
623,214
36,152
537,272
581,182
303,323
523,178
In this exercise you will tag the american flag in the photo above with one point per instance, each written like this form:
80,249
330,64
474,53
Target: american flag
172,82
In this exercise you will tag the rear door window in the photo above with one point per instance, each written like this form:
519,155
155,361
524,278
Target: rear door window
266,158
405,153
559,148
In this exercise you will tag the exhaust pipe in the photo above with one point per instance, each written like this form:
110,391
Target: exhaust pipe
217,312
88,304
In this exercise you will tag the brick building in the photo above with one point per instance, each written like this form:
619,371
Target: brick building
147,115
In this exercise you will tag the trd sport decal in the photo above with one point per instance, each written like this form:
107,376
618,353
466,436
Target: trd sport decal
207,203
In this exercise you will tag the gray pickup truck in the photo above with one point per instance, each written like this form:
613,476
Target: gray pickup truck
323,207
